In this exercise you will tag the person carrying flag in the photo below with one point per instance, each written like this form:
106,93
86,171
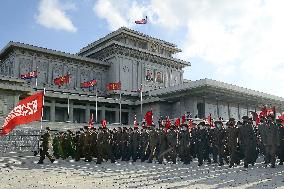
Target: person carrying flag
45,147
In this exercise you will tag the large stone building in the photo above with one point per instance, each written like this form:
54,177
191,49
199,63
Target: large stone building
134,59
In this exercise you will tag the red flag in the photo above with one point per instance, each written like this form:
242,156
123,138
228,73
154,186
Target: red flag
32,74
183,120
89,84
209,120
114,86
149,118
135,123
281,117
62,80
177,122
142,21
91,121
168,123
104,123
26,111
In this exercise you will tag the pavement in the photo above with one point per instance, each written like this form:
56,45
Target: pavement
20,170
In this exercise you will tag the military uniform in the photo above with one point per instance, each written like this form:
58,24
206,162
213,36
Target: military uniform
162,144
134,144
172,144
184,143
153,141
232,144
79,145
281,142
45,146
144,145
104,148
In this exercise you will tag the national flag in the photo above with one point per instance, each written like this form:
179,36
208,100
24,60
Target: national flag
177,122
183,119
255,117
29,75
91,121
104,123
89,84
135,123
114,86
209,120
168,123
26,111
62,80
142,21
149,118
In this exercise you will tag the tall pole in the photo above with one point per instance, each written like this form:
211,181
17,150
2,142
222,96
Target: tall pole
36,77
120,106
42,110
141,100
68,106
96,104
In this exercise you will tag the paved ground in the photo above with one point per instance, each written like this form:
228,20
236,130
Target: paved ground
21,171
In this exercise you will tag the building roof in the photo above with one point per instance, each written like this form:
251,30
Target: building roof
217,87
111,43
132,33
12,44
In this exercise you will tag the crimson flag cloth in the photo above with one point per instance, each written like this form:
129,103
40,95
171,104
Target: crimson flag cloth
149,118
177,122
168,123
89,84
32,74
114,86
104,123
26,111
190,124
142,21
62,80
209,120
91,121
183,120
135,123
281,117
255,117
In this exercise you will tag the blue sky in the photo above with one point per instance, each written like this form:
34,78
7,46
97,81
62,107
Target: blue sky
238,42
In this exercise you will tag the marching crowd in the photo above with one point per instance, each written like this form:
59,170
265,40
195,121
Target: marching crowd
230,143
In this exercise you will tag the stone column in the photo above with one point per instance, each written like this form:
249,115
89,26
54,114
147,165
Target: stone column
87,112
52,110
117,116
229,112
71,111
16,99
239,116
17,68
103,113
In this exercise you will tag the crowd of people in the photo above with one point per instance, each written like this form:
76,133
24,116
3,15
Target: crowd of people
220,143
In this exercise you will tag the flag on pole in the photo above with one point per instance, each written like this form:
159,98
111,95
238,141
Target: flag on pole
168,123
149,118
135,123
104,123
114,86
26,111
62,80
89,84
177,122
190,124
282,118
142,21
29,75
183,119
91,121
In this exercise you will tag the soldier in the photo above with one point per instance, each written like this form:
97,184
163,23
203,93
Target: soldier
94,139
134,143
118,138
184,138
172,143
232,142
271,140
201,137
162,143
45,146
125,144
144,144
70,150
104,148
281,140
87,145
248,142
55,146
79,144
153,141
260,133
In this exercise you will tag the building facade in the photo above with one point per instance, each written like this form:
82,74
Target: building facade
137,61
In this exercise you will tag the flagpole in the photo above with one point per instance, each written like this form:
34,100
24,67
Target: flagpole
42,110
141,100
120,105
96,104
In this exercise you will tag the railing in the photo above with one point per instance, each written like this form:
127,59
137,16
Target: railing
26,140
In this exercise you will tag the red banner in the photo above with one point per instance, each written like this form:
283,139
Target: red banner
26,111
168,123
113,86
183,119
89,84
32,74
177,122
62,80
91,121
149,118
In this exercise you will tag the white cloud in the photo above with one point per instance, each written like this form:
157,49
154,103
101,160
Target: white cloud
52,14
243,40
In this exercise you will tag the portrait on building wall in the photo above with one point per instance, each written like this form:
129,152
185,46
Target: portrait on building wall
158,76
149,76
